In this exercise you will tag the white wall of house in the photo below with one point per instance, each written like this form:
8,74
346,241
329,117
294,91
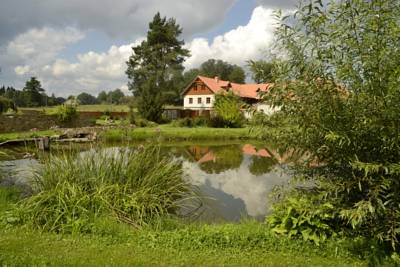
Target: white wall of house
261,107
195,102
267,109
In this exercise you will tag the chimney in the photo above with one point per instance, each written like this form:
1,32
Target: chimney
216,79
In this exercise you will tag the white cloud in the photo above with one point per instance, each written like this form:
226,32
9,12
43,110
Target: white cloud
124,19
22,70
38,46
37,52
241,184
278,3
238,45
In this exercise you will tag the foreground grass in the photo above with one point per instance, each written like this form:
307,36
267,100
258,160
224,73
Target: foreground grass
22,247
177,133
165,243
25,135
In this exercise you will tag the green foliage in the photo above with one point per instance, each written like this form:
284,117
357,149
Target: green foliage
66,113
86,99
339,87
34,93
224,70
200,121
132,187
262,71
6,104
228,109
306,215
259,119
225,158
154,64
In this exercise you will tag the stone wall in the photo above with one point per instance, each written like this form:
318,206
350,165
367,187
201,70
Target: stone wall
32,119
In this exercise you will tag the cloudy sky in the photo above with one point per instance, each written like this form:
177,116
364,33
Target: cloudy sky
76,46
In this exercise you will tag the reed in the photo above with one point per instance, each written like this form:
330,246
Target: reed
135,187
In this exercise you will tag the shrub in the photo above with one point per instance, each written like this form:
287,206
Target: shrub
66,113
191,122
260,119
6,104
339,86
228,111
133,187
308,215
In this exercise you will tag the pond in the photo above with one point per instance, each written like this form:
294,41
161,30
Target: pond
234,179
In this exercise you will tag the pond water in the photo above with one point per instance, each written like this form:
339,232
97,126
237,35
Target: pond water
234,179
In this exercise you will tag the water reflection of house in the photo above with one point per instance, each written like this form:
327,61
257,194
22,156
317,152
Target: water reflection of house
252,151
196,153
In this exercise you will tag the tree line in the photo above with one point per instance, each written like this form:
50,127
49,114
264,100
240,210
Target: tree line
33,95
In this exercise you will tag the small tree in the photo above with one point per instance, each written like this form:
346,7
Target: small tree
228,110
6,104
86,99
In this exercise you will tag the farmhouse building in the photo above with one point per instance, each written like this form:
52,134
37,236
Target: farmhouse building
199,95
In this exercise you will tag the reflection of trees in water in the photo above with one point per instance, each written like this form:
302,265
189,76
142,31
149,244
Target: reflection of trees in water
261,165
223,158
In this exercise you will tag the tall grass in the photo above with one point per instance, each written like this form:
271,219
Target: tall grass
130,186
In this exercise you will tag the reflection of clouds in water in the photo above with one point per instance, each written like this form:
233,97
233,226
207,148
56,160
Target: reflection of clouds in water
19,171
240,183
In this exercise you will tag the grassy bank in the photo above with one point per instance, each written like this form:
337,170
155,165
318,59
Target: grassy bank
163,131
87,108
25,135
177,133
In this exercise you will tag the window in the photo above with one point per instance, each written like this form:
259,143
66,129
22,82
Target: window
199,100
208,100
195,87
203,87
190,100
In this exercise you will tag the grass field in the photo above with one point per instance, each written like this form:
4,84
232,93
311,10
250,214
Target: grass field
25,135
99,108
28,248
168,132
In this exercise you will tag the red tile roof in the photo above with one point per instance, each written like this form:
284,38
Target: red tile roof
243,90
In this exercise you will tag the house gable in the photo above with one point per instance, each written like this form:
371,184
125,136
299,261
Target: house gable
198,87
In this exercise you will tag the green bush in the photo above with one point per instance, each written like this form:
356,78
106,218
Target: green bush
260,119
340,86
191,122
66,113
228,111
134,187
6,104
305,215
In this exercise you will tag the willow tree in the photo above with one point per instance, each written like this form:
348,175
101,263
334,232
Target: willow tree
153,64
340,87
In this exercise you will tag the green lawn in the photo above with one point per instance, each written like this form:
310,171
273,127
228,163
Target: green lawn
207,246
25,135
100,108
167,132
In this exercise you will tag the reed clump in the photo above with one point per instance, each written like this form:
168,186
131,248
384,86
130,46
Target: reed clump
134,187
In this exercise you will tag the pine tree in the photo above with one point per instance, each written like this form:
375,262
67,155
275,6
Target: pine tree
153,64
33,92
